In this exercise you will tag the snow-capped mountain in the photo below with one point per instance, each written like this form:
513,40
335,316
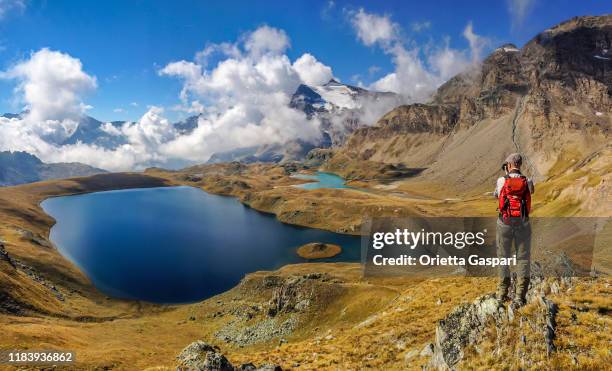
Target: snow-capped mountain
91,131
187,125
342,108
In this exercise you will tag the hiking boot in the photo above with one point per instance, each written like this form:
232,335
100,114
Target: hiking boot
502,289
517,303
520,291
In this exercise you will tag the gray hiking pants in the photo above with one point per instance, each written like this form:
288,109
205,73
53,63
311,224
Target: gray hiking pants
521,236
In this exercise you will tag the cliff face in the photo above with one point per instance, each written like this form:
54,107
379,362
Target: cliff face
550,100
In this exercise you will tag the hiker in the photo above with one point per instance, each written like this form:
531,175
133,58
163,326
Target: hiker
514,191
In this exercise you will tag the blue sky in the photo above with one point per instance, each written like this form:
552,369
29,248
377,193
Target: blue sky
125,43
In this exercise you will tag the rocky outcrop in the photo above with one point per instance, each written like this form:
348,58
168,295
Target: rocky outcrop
286,301
34,238
4,256
318,156
292,294
201,356
9,304
461,328
406,120
12,306
579,47
464,326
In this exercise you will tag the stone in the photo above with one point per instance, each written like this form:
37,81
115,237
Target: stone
201,356
462,328
4,255
427,351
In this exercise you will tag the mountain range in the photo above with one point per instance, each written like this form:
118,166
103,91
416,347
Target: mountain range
550,100
22,167
340,109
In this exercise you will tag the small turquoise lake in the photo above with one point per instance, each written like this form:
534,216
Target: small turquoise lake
175,244
321,180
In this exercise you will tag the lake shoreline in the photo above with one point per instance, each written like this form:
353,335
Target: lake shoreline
153,218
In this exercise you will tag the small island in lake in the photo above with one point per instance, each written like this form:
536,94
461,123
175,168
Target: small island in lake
318,250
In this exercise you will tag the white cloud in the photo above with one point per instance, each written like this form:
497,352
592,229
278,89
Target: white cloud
519,9
372,70
7,6
50,84
144,140
418,71
372,28
327,9
266,39
311,71
420,26
111,129
224,49
244,98
447,62
118,110
477,43
187,71
411,78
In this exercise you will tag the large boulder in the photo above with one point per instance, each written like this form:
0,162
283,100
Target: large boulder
200,356
461,328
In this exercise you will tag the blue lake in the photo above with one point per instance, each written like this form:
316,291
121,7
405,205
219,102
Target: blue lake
321,180
175,244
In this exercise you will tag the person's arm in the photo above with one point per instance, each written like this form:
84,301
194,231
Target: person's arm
498,186
530,186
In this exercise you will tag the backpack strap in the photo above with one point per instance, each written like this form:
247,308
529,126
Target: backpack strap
503,200
525,202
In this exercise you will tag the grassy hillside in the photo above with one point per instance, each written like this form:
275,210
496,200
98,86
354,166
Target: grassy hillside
350,321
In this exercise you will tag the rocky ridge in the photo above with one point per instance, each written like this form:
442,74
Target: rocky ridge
21,167
464,326
550,100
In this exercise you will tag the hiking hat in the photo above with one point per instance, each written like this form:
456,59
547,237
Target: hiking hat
515,159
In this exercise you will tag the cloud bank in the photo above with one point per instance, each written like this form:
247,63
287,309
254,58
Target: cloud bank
418,70
242,101
244,98
240,91
50,85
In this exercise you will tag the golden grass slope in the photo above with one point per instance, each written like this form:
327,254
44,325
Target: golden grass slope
375,322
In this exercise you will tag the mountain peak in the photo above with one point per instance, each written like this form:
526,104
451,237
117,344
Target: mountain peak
18,167
571,24
508,48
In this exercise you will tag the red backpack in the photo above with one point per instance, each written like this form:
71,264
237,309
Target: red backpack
514,199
